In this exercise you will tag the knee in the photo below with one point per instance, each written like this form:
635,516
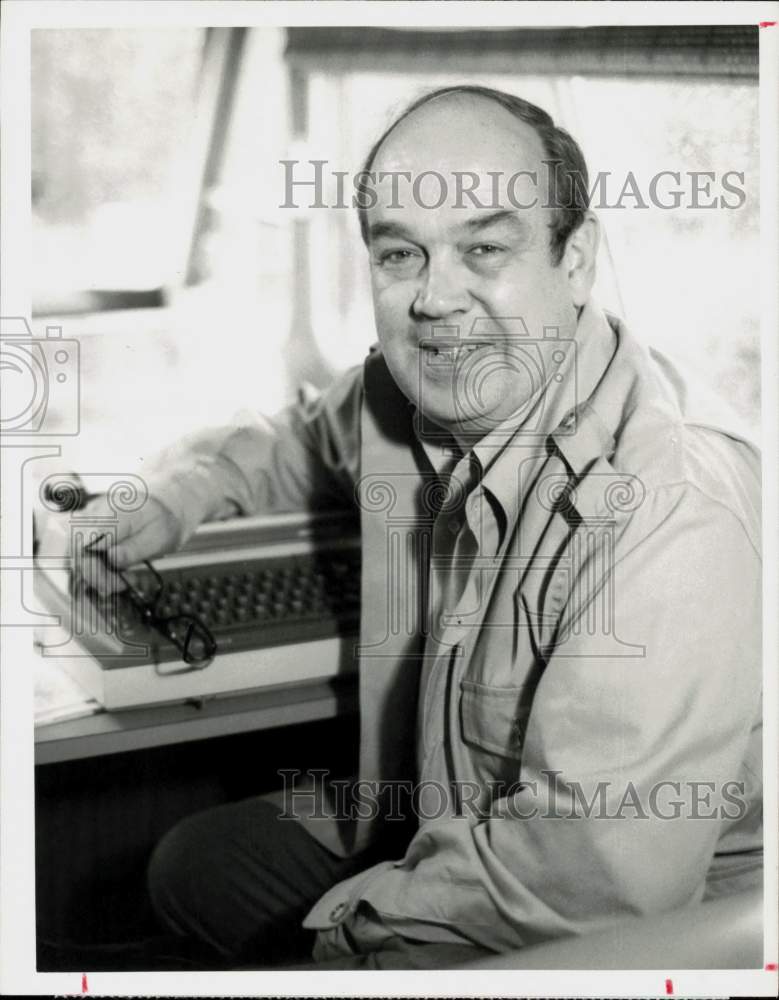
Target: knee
174,870
202,874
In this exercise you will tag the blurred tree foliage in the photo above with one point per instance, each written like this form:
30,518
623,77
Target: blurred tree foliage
110,109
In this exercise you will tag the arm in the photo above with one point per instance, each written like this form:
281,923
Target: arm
306,458
721,934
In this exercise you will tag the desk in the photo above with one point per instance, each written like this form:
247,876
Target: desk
161,725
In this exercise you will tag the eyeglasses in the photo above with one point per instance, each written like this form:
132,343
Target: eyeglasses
188,633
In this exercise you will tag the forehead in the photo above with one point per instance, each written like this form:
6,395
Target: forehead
454,143
461,132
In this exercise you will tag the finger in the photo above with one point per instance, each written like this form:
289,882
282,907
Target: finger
99,543
120,528
97,574
122,524
149,541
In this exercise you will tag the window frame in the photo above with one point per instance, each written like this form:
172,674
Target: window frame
218,73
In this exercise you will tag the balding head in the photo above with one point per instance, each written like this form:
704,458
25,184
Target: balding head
479,274
441,131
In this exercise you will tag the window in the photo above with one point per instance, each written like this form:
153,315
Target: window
111,122
686,279
684,100
264,299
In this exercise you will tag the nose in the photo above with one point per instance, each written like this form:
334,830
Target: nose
442,292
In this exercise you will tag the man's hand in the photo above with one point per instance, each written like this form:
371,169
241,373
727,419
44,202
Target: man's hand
135,536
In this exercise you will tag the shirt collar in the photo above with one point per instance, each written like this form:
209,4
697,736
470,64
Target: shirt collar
561,413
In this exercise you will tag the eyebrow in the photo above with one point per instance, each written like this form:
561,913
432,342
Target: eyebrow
481,222
392,229
475,225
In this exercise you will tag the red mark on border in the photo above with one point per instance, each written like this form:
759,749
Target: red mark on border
669,987
771,967
84,983
767,24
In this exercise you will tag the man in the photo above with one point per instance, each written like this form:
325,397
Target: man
577,689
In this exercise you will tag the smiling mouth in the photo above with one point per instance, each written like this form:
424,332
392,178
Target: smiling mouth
451,353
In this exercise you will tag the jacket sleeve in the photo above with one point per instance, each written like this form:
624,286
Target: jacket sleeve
305,458
629,765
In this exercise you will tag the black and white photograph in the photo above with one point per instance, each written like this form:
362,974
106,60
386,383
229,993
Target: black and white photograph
389,461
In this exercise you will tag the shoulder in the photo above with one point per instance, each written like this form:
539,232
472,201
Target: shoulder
368,381
337,405
682,442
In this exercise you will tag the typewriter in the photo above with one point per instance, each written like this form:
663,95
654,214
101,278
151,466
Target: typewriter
276,597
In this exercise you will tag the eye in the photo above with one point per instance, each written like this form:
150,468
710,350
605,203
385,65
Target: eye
486,249
403,262
396,256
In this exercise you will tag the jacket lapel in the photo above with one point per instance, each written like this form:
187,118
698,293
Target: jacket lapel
397,500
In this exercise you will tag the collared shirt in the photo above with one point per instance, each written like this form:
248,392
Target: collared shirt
469,542
589,719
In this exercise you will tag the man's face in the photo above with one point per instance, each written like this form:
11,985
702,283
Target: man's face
462,294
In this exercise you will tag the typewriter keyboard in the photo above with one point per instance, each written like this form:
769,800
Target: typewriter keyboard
247,604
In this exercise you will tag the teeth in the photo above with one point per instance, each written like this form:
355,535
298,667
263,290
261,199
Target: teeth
451,354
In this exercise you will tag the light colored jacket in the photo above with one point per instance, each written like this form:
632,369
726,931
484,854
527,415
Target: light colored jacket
593,719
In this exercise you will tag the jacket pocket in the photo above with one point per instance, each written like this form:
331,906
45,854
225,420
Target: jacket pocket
495,718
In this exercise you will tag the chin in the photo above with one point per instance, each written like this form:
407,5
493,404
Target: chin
473,427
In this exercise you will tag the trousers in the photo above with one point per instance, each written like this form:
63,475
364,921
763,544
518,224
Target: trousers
232,885
238,880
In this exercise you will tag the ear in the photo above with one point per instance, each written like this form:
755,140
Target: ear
579,259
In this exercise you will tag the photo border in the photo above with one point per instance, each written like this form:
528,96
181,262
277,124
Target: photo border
17,916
